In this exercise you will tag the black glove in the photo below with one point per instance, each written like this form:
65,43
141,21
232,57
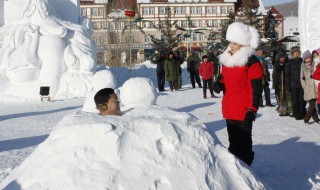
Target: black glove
217,86
303,78
250,116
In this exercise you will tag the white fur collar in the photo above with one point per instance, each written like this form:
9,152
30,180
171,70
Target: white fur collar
240,58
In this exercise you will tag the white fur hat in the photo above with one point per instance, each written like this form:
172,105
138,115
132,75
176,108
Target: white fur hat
243,34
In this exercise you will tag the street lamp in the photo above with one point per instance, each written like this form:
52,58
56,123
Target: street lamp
130,15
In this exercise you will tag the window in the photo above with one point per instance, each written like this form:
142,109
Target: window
145,11
94,11
198,10
101,11
151,11
214,10
193,23
145,25
193,10
194,37
146,38
201,37
111,26
177,10
208,10
162,10
229,9
208,23
83,12
199,23
183,10
183,23
215,23
223,10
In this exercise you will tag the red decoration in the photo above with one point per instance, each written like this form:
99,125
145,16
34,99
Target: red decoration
130,14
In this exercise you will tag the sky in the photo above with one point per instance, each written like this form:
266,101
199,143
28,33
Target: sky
275,2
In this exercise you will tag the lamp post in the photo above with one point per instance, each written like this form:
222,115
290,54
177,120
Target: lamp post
130,15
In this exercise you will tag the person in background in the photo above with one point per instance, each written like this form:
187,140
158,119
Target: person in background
212,56
179,61
279,80
241,78
309,87
107,102
171,68
265,79
293,84
160,71
206,71
193,62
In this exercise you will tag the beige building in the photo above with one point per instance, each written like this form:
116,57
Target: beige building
202,15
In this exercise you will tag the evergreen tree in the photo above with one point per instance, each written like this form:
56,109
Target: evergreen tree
169,39
249,14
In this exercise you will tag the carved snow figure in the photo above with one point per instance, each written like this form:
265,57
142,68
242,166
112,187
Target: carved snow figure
38,49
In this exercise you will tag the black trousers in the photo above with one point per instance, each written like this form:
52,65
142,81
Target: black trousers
195,75
240,139
266,91
173,84
298,103
161,80
207,84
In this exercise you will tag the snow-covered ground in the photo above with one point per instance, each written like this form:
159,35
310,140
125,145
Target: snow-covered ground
286,151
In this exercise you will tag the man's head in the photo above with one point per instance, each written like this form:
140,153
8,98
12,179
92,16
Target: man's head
107,102
260,53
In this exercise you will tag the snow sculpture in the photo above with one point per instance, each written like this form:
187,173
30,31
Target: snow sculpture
138,92
39,49
150,147
309,24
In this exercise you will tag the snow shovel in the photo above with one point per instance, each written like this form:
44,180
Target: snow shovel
283,108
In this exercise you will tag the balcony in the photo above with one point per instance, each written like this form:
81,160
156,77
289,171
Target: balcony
85,2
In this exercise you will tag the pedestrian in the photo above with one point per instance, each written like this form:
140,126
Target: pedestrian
107,102
265,79
160,71
193,62
293,84
212,56
241,77
309,87
282,94
206,71
171,69
179,60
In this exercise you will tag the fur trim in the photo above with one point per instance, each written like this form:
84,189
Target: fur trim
240,58
243,34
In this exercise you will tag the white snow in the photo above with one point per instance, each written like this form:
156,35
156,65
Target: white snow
38,49
309,24
138,92
286,150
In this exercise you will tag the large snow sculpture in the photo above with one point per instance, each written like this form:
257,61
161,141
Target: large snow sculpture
39,49
309,24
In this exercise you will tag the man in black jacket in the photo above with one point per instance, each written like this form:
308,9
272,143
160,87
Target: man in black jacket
193,62
293,84
160,71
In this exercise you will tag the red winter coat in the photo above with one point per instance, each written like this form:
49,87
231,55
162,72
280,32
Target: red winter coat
206,70
243,89
316,76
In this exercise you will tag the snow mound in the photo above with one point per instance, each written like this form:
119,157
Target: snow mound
150,148
101,79
138,92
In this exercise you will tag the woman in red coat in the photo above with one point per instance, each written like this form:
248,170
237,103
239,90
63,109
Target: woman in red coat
206,71
242,87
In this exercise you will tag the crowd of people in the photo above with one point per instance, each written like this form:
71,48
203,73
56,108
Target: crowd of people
242,74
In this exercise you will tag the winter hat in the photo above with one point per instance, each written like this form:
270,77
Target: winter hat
306,54
317,51
243,34
294,49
